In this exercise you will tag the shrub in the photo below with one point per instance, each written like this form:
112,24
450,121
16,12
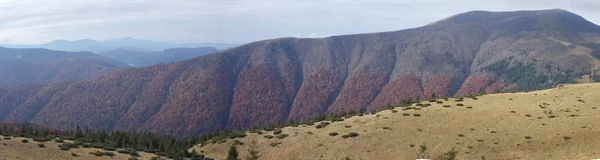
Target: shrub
110,154
97,153
551,116
450,155
447,106
353,134
345,136
458,100
394,111
25,141
41,145
109,148
59,140
74,155
405,114
431,100
469,107
439,102
309,132
460,104
417,115
527,137
238,142
86,145
281,136
7,138
333,133
277,131
98,145
386,127
132,158
566,138
275,144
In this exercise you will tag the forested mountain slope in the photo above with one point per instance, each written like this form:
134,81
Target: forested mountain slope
283,79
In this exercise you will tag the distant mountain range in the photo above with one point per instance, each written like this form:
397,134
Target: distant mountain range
276,80
19,66
142,59
117,44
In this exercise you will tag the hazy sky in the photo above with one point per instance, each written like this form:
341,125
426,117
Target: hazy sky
239,21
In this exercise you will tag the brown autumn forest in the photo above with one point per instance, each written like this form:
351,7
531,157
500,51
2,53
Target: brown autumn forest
284,79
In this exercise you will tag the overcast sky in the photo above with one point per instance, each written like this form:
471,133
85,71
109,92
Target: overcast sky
239,21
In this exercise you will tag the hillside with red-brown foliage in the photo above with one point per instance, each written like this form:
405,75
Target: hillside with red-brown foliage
278,80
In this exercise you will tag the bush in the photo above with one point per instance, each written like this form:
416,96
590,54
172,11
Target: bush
460,104
350,135
110,154
394,111
417,115
97,153
25,141
74,155
41,145
439,102
109,148
268,136
281,136
333,133
275,144
347,126
7,138
277,131
59,140
86,145
447,106
405,114
386,127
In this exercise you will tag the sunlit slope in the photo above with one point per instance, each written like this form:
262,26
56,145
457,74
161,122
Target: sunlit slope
14,149
560,123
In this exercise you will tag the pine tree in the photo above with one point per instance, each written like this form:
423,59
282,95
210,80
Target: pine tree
233,153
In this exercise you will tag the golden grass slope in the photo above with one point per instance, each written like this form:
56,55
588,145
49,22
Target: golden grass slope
14,149
560,123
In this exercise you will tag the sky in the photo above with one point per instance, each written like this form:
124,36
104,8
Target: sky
239,21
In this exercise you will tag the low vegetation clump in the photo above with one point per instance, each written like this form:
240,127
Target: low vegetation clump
275,144
460,104
281,136
74,155
277,131
41,145
350,135
333,133
25,141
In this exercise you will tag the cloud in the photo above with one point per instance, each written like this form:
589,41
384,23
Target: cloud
239,21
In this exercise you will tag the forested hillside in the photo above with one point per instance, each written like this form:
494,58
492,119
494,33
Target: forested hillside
286,79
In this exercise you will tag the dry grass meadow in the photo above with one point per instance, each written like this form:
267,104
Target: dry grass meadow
14,149
560,123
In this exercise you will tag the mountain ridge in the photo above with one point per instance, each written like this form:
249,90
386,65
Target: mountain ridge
276,80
